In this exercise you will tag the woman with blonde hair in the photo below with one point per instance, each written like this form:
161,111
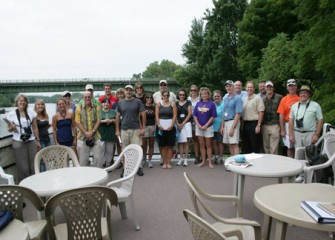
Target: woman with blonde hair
43,123
204,114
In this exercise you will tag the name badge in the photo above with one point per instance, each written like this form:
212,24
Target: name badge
182,115
226,114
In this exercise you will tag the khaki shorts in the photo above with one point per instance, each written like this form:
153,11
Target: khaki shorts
234,139
130,136
208,133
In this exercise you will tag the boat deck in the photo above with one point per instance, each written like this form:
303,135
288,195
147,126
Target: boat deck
162,194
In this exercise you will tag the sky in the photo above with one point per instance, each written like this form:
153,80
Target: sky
44,39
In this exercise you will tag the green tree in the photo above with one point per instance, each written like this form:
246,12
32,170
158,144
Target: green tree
164,69
262,21
5,101
192,72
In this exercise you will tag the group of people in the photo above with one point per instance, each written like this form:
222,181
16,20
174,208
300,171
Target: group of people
101,126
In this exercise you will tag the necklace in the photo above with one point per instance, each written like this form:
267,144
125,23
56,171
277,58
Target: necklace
63,115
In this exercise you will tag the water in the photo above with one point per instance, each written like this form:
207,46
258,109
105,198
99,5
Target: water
50,107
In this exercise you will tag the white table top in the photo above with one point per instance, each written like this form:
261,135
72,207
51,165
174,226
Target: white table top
282,202
269,165
15,230
48,183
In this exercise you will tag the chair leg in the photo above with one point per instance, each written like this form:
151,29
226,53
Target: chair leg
132,205
123,210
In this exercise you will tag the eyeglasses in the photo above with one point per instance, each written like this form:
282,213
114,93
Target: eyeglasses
181,95
166,95
162,84
148,98
193,90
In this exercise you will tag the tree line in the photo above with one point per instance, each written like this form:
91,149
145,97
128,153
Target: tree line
262,40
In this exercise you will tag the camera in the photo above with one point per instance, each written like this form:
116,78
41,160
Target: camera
27,134
299,123
90,143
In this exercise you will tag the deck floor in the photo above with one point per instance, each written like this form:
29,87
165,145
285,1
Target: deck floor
161,195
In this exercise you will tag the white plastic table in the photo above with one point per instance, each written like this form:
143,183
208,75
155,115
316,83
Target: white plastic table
48,183
266,166
15,230
281,202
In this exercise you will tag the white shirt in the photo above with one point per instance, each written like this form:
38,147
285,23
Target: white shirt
12,117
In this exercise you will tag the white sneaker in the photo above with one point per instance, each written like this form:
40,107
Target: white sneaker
150,164
180,162
300,179
185,164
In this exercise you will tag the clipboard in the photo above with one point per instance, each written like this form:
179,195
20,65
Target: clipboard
7,121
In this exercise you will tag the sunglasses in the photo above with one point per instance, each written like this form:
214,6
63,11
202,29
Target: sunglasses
148,98
166,95
162,84
193,90
181,94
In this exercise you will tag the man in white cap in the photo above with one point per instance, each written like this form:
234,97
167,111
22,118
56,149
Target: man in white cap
129,112
270,126
89,87
284,110
158,95
306,121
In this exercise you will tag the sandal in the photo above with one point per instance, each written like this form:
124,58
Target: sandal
169,166
164,166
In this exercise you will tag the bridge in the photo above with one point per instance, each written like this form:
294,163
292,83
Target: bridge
78,84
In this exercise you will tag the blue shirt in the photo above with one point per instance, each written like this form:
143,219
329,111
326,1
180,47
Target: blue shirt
218,120
232,106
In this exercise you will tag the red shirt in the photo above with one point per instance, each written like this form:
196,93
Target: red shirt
112,100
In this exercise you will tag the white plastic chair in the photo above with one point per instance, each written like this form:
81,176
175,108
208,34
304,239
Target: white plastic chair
83,209
54,157
227,226
327,145
11,199
123,187
202,230
9,178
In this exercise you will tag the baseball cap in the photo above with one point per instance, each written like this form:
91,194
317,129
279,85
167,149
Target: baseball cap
229,82
163,81
66,93
269,83
89,87
129,86
291,82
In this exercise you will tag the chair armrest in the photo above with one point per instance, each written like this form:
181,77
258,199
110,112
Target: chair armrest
242,221
113,167
120,180
9,178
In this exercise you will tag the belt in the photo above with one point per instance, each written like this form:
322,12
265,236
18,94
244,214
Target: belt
250,120
303,131
229,120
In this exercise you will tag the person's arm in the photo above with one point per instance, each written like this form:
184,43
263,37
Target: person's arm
157,117
319,125
291,130
54,128
189,114
74,130
282,125
174,116
36,133
143,117
259,123
117,124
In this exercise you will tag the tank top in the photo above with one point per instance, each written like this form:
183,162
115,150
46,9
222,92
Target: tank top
165,112
64,130
43,132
